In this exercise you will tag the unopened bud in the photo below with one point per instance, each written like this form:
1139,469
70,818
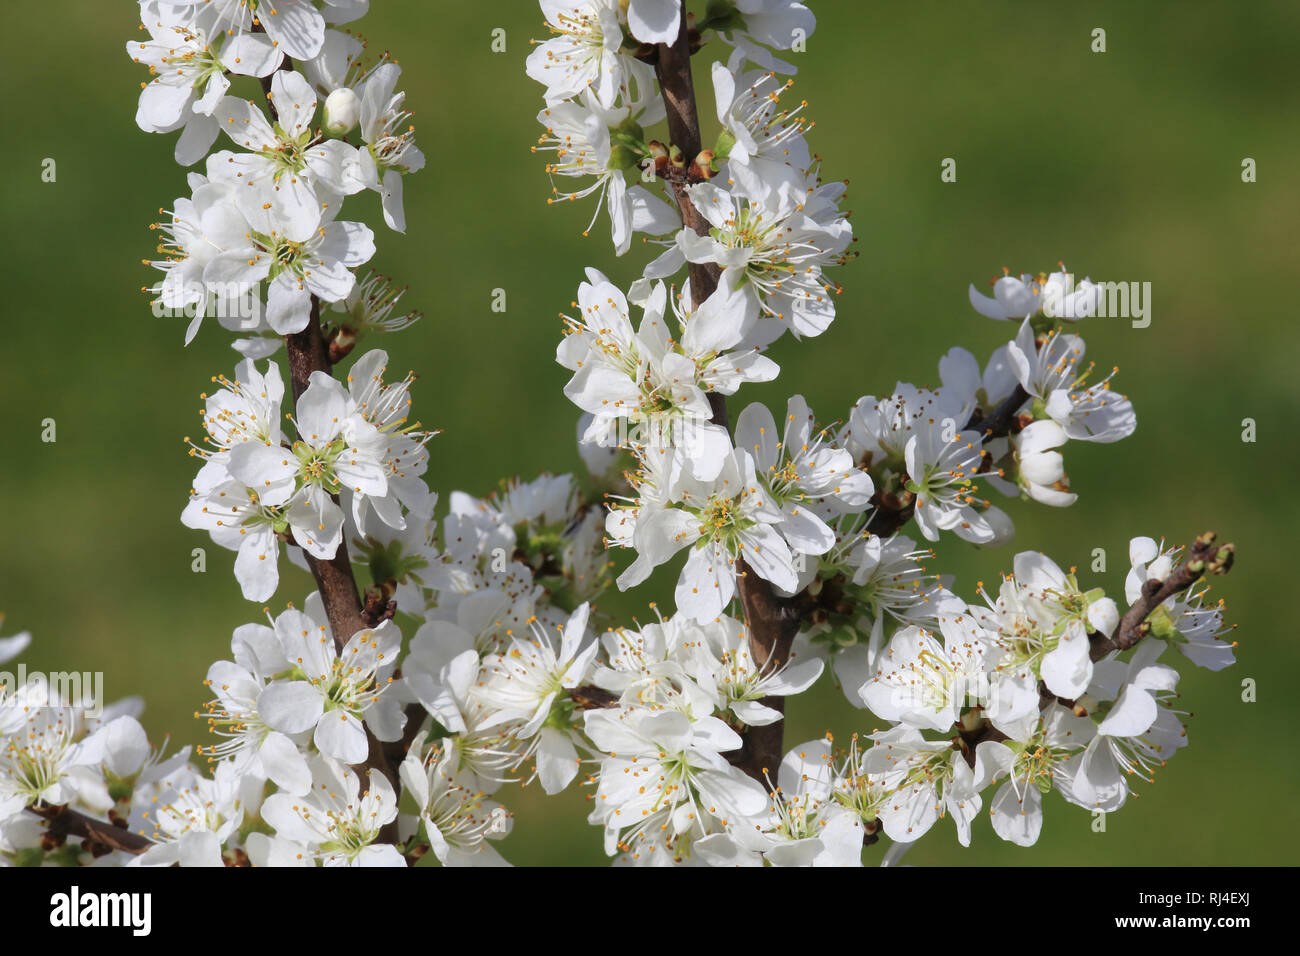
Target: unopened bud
659,156
1084,705
702,168
341,343
342,111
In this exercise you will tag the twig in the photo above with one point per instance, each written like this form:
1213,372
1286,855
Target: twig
673,69
62,822
998,423
308,353
1205,557
771,622
591,697
889,512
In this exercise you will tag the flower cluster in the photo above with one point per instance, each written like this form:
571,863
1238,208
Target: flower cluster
61,745
259,243
338,742
354,462
813,515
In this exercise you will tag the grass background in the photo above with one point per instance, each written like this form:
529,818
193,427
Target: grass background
1126,165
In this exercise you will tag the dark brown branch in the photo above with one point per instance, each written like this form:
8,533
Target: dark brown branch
890,511
62,823
395,751
337,587
999,422
334,578
673,69
718,409
771,622
591,697
308,352
1205,557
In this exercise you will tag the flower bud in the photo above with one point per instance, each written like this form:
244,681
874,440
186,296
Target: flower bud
659,153
342,111
702,168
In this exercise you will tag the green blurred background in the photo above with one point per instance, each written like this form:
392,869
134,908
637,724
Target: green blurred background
1126,165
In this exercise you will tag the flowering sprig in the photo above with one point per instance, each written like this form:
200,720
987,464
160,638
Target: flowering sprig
802,526
339,743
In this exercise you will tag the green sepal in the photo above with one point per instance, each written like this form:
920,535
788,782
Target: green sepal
722,15
722,148
1162,625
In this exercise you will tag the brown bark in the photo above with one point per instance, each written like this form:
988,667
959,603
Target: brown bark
771,622
673,68
62,823
1205,557
308,352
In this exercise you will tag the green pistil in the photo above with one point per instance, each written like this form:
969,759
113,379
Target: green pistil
676,770
316,466
289,155
783,483
285,254
351,836
561,715
389,562
719,521
34,774
749,231
935,770
795,821
341,693
1035,762
860,798
210,67
656,404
